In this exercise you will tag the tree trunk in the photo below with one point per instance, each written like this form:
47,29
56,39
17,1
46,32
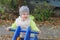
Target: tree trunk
20,3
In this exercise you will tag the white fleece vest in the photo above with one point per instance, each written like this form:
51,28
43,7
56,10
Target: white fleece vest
23,24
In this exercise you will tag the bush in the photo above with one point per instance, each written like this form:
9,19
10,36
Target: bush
42,12
1,9
7,6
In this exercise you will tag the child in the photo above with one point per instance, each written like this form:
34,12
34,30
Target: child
24,20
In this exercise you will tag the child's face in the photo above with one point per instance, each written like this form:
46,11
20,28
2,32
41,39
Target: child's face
25,15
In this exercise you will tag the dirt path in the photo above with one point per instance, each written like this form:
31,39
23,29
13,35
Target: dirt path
47,32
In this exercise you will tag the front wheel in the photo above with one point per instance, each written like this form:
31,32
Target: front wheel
18,38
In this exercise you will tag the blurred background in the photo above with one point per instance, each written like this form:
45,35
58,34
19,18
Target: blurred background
46,13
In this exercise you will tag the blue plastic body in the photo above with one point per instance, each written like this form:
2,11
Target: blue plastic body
27,31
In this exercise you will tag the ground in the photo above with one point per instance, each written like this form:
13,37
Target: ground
49,30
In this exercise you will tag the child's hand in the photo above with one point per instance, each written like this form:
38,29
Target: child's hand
8,28
39,32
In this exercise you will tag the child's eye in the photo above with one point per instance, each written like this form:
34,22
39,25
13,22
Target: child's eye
25,14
